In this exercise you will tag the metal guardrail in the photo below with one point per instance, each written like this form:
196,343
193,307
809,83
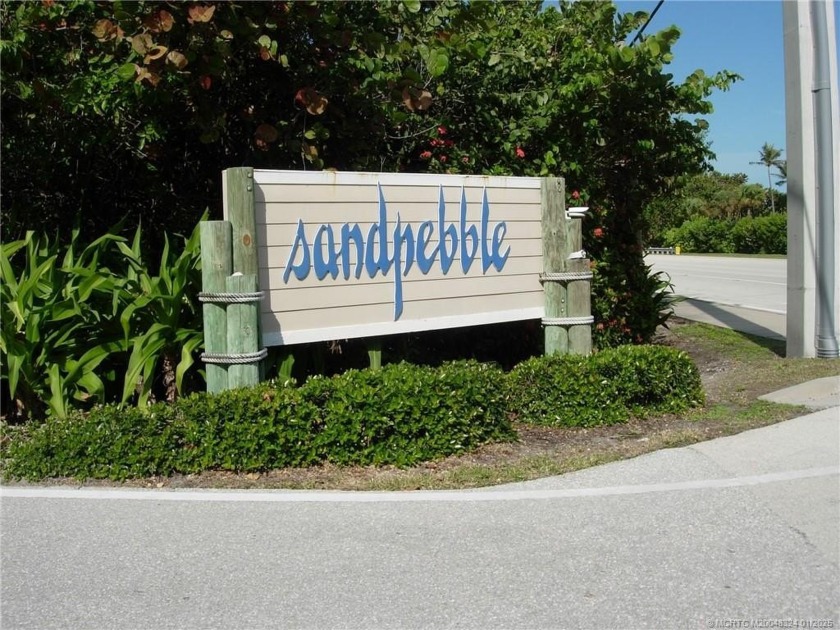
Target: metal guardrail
661,250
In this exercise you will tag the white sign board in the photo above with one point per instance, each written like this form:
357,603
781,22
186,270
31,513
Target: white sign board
344,255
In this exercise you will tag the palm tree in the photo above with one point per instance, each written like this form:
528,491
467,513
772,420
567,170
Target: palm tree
769,156
781,173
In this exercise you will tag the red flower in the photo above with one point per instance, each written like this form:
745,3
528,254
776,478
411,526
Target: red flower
465,159
425,155
206,81
443,158
598,232
520,153
575,195
442,131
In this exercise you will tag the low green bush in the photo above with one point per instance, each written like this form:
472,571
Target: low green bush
702,235
563,390
748,235
651,378
402,414
760,235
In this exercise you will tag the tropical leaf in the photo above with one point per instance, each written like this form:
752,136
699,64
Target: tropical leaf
141,364
187,361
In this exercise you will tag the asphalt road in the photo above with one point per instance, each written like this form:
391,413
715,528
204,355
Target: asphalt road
745,294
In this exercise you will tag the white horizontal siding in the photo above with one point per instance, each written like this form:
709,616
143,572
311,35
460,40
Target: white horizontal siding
309,310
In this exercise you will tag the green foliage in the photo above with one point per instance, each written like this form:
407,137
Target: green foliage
564,390
702,235
166,315
748,235
71,317
760,235
713,195
105,104
57,322
400,414
404,414
652,378
631,308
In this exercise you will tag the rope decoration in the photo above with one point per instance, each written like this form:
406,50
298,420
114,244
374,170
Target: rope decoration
568,321
565,276
233,359
231,298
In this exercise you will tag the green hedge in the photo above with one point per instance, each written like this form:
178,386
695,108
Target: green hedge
758,235
702,235
564,390
401,414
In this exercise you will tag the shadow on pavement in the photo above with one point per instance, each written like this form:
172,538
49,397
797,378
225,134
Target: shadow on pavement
758,334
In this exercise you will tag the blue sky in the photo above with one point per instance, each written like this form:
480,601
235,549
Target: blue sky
744,37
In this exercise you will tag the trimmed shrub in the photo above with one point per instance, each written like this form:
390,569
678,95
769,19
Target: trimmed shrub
401,415
563,390
651,378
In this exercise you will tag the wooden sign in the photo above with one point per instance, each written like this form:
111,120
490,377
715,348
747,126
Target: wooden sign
325,255
345,255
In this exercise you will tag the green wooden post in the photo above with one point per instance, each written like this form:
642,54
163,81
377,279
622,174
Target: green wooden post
375,352
216,265
555,252
239,192
242,333
579,292
239,210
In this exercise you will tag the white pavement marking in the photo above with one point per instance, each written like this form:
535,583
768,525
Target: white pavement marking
306,496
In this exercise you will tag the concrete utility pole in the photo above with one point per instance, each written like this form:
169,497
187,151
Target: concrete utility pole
813,157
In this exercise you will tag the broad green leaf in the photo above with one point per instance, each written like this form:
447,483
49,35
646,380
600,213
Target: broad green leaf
413,6
14,362
92,386
142,361
64,310
186,361
438,62
126,71
56,402
94,282
91,359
